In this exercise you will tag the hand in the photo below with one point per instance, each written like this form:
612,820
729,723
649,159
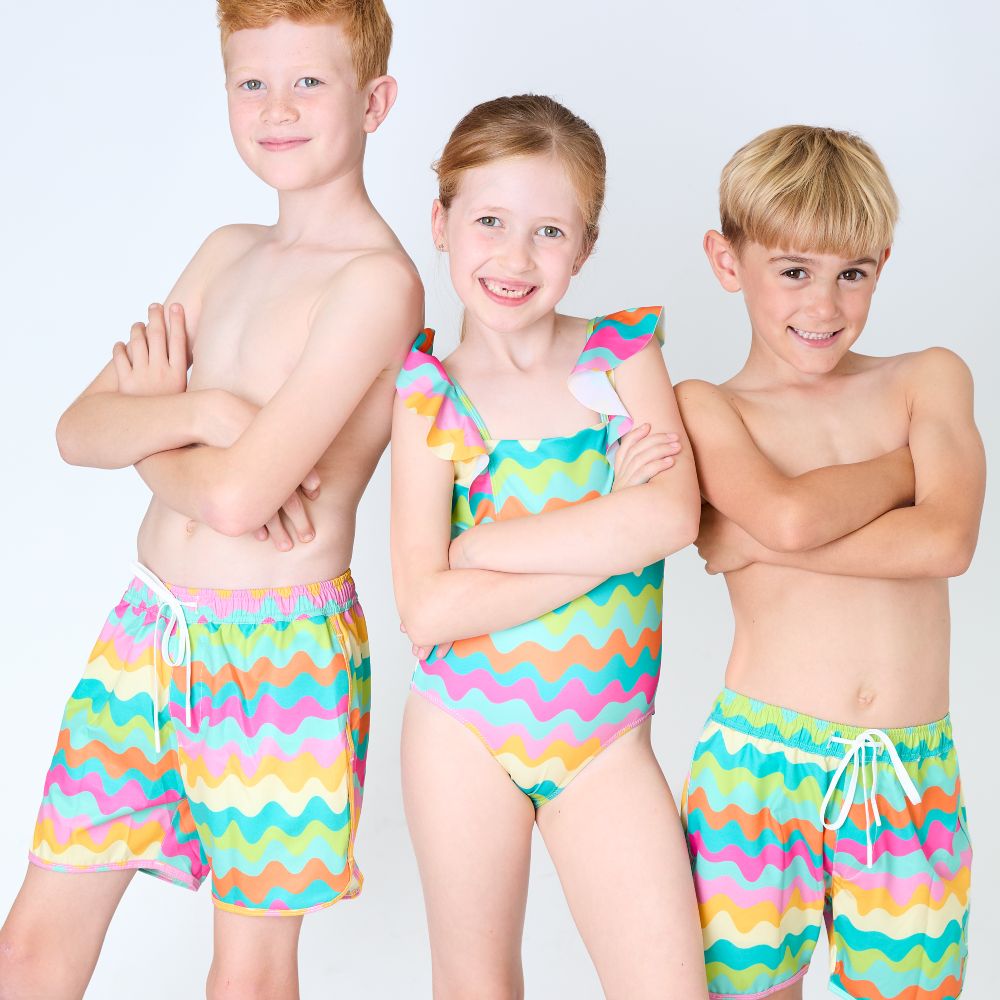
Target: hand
642,455
723,544
155,361
295,512
422,652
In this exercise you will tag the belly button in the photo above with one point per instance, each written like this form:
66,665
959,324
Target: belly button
866,698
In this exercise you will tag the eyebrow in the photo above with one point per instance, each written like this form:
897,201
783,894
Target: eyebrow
500,210
809,260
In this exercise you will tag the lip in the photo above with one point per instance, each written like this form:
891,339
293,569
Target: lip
276,145
513,286
816,345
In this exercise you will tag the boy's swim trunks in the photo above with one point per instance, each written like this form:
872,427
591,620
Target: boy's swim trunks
241,754
791,820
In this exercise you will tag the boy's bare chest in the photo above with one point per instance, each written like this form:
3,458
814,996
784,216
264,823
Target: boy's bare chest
252,330
801,430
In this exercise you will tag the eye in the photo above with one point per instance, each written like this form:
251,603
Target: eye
795,273
490,221
854,274
552,232
308,82
252,85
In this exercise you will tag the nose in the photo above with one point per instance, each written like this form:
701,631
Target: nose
279,109
823,303
516,255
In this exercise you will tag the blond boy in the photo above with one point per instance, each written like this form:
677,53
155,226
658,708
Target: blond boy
220,728
843,491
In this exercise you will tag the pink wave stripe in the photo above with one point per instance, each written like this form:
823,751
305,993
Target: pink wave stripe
129,797
216,758
65,827
538,747
573,696
900,890
888,841
743,898
751,868
267,712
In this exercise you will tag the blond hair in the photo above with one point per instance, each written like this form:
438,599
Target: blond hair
806,188
527,125
365,24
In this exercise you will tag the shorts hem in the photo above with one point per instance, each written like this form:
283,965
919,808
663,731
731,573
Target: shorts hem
158,869
784,984
247,911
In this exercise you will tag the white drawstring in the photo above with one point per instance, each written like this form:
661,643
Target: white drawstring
877,740
175,622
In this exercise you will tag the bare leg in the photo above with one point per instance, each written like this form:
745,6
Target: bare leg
53,935
255,958
793,992
471,831
617,844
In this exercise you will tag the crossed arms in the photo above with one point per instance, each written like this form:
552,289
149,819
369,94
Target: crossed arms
908,514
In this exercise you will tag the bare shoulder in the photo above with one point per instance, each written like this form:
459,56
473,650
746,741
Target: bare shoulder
378,292
225,244
934,373
695,395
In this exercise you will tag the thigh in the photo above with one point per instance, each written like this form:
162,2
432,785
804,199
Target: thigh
254,957
471,831
616,841
53,934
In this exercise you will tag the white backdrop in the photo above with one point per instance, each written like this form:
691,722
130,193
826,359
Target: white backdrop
117,161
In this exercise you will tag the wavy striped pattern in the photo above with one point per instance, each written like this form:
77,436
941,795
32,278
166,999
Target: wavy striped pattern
767,873
263,792
546,696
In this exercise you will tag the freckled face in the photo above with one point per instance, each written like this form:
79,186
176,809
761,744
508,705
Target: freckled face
807,308
295,110
515,236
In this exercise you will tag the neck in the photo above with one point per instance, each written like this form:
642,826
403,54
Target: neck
518,349
318,214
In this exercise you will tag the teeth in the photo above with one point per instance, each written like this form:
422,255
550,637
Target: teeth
806,335
507,293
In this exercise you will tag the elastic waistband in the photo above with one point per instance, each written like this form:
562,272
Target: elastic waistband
803,732
255,605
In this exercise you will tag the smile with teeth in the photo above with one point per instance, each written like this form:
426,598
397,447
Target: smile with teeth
504,290
808,335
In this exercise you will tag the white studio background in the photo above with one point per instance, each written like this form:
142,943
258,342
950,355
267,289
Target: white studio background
117,161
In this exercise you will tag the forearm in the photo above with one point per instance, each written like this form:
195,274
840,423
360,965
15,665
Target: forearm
909,543
605,536
825,504
110,430
461,603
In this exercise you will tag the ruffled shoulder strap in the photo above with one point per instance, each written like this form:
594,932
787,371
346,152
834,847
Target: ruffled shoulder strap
425,388
613,339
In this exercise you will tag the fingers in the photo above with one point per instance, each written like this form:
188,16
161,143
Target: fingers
278,534
295,510
626,443
137,349
177,345
123,367
156,335
310,485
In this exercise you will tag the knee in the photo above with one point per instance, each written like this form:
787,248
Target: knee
231,983
451,983
25,971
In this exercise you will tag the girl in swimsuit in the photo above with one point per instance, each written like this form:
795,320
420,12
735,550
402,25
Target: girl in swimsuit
539,479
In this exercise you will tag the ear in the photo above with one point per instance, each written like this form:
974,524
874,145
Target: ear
723,260
881,262
381,97
439,216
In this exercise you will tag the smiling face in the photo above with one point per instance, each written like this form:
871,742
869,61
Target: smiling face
515,235
295,110
806,309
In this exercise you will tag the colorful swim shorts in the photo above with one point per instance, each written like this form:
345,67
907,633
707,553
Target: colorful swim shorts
792,821
220,731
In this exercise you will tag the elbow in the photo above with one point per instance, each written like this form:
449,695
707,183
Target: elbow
228,510
955,554
677,526
790,526
418,625
68,442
